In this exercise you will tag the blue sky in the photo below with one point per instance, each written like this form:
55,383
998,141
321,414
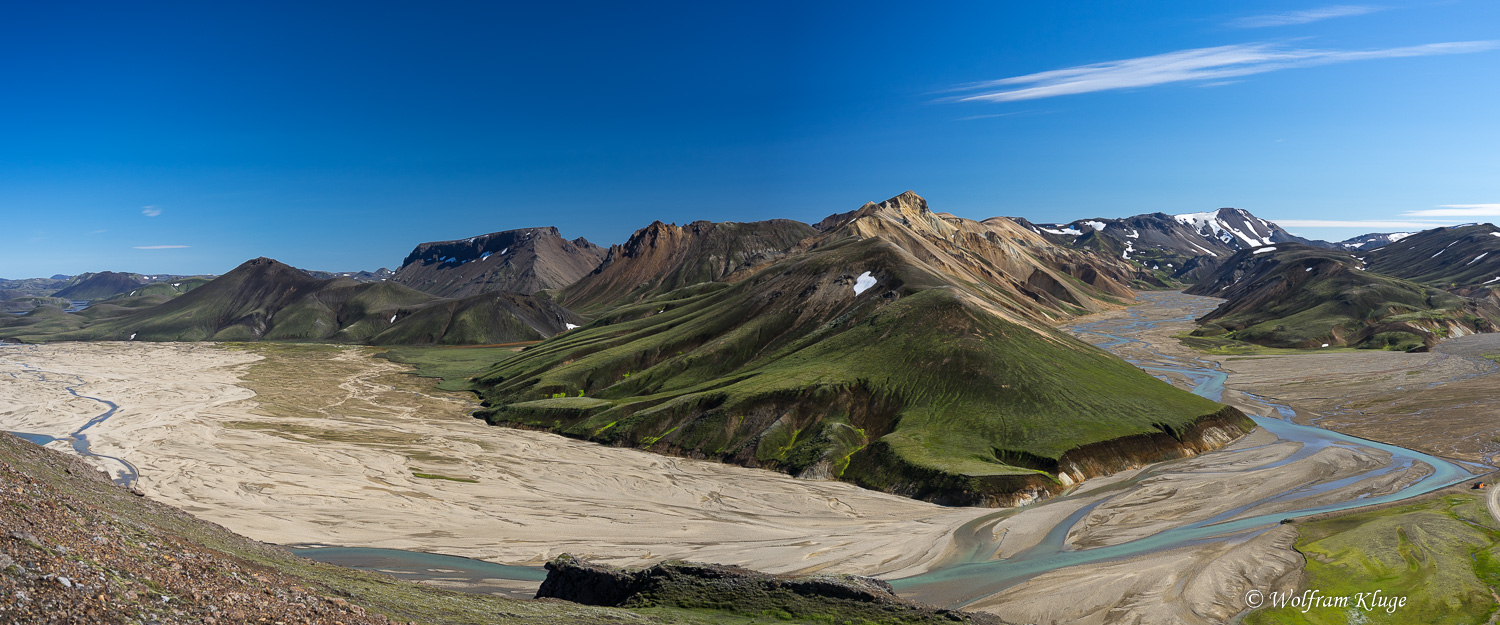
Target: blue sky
338,136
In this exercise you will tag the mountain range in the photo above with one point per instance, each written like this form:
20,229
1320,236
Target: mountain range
893,346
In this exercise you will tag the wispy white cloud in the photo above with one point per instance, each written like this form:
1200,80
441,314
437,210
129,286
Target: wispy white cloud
1199,64
1292,18
150,211
1457,210
972,117
161,247
1373,224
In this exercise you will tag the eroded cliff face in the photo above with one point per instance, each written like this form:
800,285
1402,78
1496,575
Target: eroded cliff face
662,257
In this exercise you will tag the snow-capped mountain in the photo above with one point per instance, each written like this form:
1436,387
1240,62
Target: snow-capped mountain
1180,247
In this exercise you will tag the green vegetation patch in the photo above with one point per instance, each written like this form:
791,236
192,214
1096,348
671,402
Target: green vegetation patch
1442,554
454,366
434,476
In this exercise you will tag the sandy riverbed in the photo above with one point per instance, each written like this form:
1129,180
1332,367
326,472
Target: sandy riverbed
343,473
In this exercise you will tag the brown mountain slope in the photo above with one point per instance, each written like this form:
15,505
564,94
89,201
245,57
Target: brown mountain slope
519,261
1026,275
663,257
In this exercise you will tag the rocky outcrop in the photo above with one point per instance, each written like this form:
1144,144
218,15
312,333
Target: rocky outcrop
691,585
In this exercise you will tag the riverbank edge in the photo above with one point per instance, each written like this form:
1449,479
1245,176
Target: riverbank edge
883,470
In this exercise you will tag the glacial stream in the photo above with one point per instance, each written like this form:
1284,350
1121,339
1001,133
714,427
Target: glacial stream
960,583
126,474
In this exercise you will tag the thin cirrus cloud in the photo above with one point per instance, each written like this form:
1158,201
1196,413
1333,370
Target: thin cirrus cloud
1422,219
1293,18
150,211
1195,65
161,247
1372,224
1458,210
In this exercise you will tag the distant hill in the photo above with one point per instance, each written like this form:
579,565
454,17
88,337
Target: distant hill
27,303
100,285
265,299
378,275
526,261
900,349
662,257
1464,259
1291,295
1367,242
33,287
1171,248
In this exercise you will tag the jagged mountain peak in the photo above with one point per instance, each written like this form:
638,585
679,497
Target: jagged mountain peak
1236,227
662,257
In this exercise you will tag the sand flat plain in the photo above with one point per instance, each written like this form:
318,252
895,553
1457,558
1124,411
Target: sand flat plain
326,448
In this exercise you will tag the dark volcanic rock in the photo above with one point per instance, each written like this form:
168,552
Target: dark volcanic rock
692,585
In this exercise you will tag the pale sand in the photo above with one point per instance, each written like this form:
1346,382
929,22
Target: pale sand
1494,501
201,444
1199,584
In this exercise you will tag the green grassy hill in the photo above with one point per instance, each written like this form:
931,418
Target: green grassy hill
26,304
1298,296
856,358
486,318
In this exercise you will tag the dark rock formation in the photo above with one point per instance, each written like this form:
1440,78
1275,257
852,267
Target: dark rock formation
691,585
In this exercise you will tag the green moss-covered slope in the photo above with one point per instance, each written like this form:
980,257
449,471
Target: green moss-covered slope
1441,555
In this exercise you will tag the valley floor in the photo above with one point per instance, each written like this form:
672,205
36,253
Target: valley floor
331,445
328,445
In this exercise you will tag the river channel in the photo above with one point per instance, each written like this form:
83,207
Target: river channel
125,473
